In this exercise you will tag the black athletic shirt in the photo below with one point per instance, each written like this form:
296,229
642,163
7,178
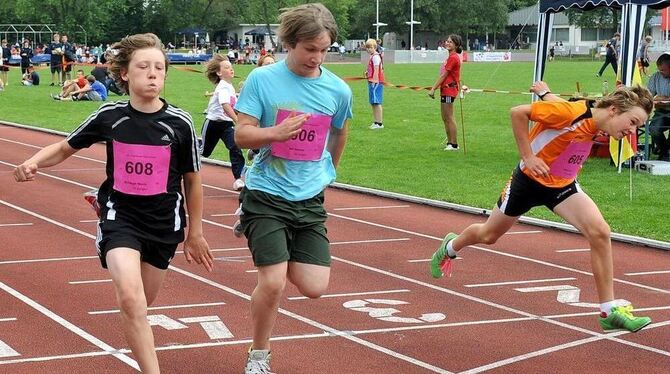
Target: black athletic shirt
159,217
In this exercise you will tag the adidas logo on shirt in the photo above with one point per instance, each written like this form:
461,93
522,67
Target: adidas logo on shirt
166,138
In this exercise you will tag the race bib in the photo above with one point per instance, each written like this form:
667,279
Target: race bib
309,143
141,169
570,161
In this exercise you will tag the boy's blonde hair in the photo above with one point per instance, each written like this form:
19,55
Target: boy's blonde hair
371,43
212,68
119,55
306,22
625,98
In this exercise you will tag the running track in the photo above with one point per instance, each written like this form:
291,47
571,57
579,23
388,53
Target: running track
525,304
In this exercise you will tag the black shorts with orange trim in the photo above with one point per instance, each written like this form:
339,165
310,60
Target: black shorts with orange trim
523,193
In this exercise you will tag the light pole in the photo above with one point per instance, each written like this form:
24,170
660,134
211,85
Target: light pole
377,24
411,24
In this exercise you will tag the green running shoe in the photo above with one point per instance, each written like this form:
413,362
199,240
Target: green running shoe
440,264
622,318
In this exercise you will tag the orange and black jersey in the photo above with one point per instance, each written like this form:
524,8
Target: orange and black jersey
557,125
160,217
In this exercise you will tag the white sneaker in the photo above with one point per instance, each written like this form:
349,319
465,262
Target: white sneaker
376,126
450,147
258,362
238,185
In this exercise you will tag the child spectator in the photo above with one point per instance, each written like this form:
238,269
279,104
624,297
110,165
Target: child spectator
30,78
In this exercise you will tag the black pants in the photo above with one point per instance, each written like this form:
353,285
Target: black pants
609,60
212,131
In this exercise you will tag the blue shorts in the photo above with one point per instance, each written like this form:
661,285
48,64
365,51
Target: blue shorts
375,93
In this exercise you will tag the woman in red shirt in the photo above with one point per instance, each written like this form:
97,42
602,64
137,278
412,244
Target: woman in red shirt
449,83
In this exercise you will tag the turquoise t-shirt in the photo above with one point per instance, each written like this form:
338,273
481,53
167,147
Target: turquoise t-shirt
274,87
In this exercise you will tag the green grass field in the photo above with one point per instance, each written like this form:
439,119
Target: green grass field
407,156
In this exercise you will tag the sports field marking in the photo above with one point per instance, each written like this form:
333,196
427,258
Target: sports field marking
223,215
70,326
7,351
164,307
220,189
232,258
429,259
523,232
8,319
373,207
88,221
370,241
649,272
519,282
42,146
15,224
10,262
54,177
91,281
349,294
573,250
75,169
319,325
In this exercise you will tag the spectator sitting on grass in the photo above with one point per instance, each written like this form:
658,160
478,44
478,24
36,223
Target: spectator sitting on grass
93,91
30,78
72,85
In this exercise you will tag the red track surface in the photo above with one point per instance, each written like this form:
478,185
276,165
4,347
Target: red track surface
47,324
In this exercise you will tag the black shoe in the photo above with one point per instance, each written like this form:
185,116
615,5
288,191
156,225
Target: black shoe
52,84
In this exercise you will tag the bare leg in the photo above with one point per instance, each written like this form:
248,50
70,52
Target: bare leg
377,112
580,211
125,269
488,233
311,280
265,302
447,111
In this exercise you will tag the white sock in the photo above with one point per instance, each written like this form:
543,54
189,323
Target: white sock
607,307
450,249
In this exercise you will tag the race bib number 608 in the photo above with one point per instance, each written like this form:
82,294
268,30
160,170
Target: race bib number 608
141,169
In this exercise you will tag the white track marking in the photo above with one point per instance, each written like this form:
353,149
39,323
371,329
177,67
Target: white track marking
349,294
372,207
9,262
91,281
370,241
14,224
649,272
7,351
573,250
523,232
518,282
70,326
318,325
181,306
7,319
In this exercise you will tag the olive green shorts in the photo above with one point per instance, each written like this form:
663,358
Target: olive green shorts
279,230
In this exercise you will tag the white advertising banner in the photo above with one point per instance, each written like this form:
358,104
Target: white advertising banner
491,56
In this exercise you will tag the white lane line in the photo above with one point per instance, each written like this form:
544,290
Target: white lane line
649,272
573,250
70,326
370,241
7,319
319,325
429,259
77,170
40,147
523,232
541,352
519,282
232,258
373,207
9,262
55,177
88,221
59,224
223,215
349,294
7,351
171,347
182,306
91,281
14,224
251,271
